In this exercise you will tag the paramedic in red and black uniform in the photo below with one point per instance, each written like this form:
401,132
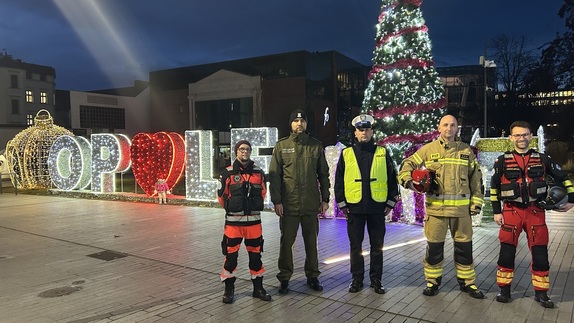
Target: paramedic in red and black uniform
241,193
519,183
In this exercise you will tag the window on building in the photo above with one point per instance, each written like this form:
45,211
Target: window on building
14,81
29,96
224,114
15,106
29,120
102,117
43,97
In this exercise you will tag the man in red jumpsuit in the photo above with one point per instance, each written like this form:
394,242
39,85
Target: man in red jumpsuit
520,182
242,192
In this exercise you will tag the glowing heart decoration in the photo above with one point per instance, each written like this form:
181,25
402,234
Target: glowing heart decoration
158,155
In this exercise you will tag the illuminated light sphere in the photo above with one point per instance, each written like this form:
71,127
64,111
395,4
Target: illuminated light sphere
27,153
70,163
155,156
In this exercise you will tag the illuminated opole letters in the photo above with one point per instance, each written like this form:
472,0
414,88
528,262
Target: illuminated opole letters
110,154
69,163
259,138
199,182
199,178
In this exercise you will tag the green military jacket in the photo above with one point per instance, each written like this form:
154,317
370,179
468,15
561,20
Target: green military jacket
299,175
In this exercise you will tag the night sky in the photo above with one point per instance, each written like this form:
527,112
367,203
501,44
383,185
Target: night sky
97,44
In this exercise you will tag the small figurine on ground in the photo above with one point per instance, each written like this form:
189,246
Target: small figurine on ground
161,189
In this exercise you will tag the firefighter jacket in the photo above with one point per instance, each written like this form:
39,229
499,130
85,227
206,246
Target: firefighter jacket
458,180
241,193
522,178
366,179
299,175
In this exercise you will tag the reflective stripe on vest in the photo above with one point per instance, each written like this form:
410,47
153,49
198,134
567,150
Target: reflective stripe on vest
378,176
449,200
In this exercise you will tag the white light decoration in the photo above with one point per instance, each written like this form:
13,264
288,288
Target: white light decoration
259,138
541,139
332,154
409,205
199,182
70,163
110,155
27,152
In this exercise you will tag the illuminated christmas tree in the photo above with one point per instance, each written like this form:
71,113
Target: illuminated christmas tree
405,94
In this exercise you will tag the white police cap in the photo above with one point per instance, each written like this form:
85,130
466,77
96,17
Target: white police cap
363,121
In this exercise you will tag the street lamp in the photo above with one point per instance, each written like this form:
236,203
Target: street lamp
486,64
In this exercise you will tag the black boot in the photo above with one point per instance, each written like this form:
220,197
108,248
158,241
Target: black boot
284,289
356,285
259,291
471,289
504,295
378,286
541,297
314,284
432,289
229,290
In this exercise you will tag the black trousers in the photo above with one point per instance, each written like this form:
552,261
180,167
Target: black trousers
356,232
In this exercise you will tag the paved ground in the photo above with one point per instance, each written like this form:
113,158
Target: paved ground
172,260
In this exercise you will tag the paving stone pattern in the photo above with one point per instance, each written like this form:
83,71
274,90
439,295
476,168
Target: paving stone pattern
170,273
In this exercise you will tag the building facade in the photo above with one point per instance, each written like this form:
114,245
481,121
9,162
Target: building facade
121,110
25,89
260,92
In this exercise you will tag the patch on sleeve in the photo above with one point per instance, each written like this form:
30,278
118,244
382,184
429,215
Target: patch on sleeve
464,156
435,156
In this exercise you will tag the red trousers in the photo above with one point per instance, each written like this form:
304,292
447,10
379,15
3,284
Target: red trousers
532,221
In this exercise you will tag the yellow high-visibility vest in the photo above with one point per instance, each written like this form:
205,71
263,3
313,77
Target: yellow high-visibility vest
378,176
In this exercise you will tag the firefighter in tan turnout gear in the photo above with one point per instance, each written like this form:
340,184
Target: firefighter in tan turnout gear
454,197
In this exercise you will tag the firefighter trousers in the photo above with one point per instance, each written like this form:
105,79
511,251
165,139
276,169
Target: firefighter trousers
532,221
435,228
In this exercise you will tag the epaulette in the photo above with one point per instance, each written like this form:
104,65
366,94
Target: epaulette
284,138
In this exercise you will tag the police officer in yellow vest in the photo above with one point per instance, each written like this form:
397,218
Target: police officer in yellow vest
457,195
366,189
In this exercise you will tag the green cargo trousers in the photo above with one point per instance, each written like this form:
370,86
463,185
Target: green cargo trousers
289,226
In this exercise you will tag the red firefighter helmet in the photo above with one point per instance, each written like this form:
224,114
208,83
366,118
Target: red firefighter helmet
424,178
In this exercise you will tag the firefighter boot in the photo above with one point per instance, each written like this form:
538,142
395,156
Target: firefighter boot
471,289
229,290
504,295
259,291
432,288
541,297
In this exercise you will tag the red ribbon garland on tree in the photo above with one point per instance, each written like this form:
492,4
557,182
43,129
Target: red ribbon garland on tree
407,110
425,137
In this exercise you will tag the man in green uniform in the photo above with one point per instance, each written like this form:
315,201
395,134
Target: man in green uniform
456,196
299,187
